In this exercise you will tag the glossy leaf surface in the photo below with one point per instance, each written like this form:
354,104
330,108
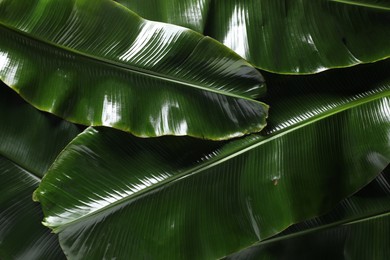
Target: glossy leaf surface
30,141
291,37
296,99
97,63
358,228
113,195
188,13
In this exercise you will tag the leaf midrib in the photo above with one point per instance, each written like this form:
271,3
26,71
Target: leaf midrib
343,222
25,169
127,67
348,2
217,160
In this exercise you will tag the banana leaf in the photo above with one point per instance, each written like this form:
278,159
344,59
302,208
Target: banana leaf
358,228
30,141
112,195
191,14
97,63
296,99
293,37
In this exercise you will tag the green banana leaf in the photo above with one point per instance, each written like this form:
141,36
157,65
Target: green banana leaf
191,14
30,141
293,37
97,63
358,228
296,99
111,195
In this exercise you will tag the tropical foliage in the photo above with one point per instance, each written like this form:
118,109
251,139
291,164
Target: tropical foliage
142,139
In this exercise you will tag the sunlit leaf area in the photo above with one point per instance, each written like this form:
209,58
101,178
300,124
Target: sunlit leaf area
194,129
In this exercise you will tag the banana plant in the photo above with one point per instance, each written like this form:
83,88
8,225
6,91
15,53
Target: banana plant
107,193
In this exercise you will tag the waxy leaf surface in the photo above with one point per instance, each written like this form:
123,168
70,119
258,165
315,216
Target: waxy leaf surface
113,195
358,228
293,37
97,63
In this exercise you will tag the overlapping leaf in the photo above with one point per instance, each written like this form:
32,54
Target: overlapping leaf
97,63
113,195
302,36
358,228
30,141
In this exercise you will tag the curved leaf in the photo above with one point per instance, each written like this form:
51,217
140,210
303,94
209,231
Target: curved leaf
112,195
30,141
291,37
358,228
97,63
296,99
188,13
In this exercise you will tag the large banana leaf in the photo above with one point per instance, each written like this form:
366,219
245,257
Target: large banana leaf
302,36
97,63
358,228
111,195
30,141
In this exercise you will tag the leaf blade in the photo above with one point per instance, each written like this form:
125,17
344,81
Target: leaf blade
107,83
288,37
358,222
30,141
191,200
